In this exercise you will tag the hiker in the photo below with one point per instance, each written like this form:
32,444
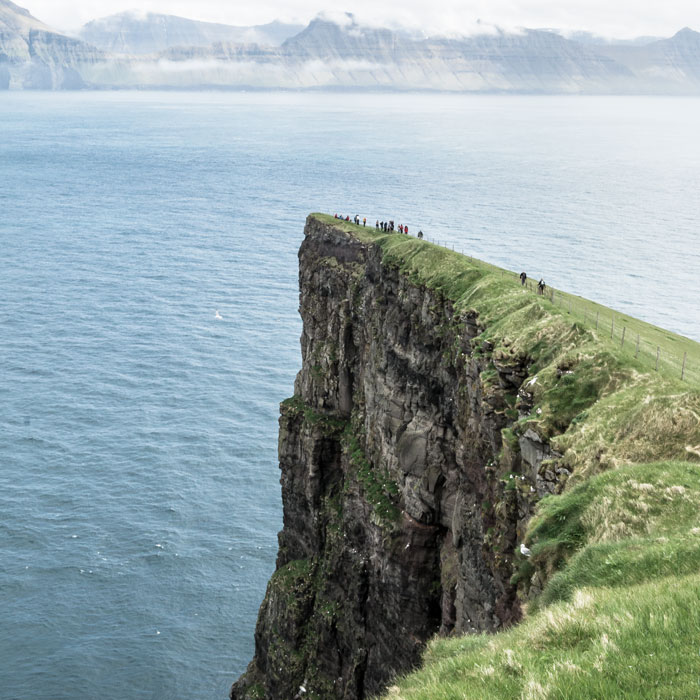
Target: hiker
400,228
376,225
405,230
364,221
540,287
523,278
347,218
420,235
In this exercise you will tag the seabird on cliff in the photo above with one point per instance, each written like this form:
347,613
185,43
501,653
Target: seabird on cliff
524,550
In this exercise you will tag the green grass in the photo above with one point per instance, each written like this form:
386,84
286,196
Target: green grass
618,552
623,527
602,645
454,273
619,620
329,425
594,400
379,489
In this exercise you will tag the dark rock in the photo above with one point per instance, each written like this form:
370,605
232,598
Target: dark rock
398,520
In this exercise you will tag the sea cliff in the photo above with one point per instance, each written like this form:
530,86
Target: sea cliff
438,402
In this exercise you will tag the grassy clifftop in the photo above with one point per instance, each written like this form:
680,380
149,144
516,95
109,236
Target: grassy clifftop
619,619
619,549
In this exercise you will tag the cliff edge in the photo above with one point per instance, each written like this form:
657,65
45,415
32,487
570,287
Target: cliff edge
438,402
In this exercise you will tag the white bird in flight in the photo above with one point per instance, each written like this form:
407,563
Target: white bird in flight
218,316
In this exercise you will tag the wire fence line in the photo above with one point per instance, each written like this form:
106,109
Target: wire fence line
680,362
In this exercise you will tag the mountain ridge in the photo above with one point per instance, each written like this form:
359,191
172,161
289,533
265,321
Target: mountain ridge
167,52
133,33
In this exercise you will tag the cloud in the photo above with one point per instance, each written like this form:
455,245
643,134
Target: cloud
622,18
342,19
239,73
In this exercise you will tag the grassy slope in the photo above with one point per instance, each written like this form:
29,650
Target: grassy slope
620,620
619,616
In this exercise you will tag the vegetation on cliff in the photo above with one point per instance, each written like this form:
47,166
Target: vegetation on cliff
619,617
611,587
444,416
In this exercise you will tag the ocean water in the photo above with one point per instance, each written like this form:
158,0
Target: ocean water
139,495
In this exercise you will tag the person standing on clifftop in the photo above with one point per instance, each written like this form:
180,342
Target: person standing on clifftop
420,235
364,221
376,225
523,278
541,287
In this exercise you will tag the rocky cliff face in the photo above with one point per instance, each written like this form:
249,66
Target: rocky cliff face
402,504
143,33
32,56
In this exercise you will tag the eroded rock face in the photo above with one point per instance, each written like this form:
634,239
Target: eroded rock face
402,507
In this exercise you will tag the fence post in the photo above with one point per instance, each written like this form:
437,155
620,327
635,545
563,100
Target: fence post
658,350
622,344
597,316
685,354
636,352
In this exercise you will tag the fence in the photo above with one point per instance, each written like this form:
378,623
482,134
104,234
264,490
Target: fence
664,352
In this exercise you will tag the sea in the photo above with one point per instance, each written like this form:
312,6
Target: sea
149,328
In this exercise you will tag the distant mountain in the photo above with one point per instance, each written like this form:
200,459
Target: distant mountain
136,33
32,55
667,66
328,55
531,61
160,51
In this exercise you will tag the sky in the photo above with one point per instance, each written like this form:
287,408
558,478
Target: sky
610,18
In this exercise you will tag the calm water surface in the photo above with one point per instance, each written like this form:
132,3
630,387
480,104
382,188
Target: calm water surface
139,495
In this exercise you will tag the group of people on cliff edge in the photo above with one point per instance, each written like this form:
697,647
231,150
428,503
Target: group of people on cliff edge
355,219
387,226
